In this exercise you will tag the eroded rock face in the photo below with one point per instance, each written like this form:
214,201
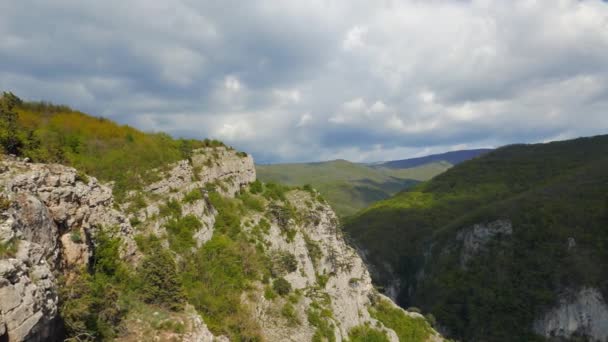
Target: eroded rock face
52,215
334,271
231,168
74,204
28,296
583,314
475,238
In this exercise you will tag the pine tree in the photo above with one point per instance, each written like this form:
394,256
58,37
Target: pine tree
9,133
160,282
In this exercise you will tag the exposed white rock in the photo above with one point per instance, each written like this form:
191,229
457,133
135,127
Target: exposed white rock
231,168
475,238
348,286
73,203
28,296
583,314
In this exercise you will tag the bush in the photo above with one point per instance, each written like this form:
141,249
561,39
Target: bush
160,281
281,286
214,278
193,196
181,232
9,248
171,209
256,187
364,333
75,236
283,262
414,329
289,313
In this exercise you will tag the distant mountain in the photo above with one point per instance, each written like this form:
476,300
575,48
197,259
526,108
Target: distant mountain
348,186
454,157
509,246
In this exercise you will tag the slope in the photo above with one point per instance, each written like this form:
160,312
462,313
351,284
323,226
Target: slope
452,157
495,243
201,251
347,186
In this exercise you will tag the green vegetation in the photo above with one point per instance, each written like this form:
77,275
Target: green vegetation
181,231
160,281
347,186
193,196
214,278
95,146
92,303
289,313
552,193
364,333
9,248
281,286
407,328
321,318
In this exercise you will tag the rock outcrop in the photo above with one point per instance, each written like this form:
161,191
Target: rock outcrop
475,238
583,314
28,296
51,215
46,227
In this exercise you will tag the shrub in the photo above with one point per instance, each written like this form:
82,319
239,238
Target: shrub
252,202
281,286
256,187
171,209
9,248
415,329
283,262
5,203
75,236
181,232
193,196
289,313
364,333
214,278
160,281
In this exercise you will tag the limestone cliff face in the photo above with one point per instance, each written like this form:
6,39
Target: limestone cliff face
48,221
583,314
51,215
334,271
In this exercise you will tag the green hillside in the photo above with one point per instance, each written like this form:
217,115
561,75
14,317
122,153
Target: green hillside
58,134
347,186
556,197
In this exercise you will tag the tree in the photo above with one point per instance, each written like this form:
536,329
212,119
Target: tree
160,282
9,130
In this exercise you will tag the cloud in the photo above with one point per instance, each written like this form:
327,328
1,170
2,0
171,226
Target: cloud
300,81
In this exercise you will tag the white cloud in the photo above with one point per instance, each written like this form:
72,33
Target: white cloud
362,80
354,38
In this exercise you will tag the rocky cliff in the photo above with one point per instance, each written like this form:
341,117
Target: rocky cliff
310,285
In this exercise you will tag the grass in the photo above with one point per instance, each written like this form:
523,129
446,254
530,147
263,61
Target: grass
413,329
364,333
347,186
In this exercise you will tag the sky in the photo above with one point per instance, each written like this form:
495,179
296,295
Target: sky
319,79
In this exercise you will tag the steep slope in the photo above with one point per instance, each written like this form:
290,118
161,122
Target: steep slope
347,186
452,157
203,252
507,246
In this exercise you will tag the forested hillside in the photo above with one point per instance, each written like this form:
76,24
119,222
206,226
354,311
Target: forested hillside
495,243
